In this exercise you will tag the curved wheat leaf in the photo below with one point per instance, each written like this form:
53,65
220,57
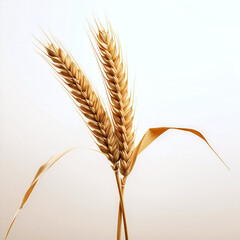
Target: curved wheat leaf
41,171
154,133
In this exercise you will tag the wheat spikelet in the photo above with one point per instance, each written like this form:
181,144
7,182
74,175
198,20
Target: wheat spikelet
88,102
116,80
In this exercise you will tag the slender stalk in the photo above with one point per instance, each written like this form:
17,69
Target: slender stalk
119,224
121,204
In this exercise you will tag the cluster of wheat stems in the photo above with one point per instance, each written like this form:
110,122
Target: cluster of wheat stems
113,133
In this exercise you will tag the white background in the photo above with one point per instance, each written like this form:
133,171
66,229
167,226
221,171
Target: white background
185,59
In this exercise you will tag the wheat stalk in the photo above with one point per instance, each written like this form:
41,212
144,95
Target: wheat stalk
109,55
88,102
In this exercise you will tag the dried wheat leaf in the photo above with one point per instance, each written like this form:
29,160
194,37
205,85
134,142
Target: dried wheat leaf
153,133
41,171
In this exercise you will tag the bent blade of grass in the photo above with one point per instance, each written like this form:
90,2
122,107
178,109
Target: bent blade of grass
147,139
154,133
41,171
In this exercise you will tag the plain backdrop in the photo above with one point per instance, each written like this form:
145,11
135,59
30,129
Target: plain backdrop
184,58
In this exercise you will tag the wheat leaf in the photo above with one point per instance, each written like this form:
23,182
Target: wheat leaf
41,171
154,133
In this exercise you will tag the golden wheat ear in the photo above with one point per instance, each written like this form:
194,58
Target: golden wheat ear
109,55
79,88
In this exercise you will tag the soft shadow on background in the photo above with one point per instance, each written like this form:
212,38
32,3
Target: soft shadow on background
185,59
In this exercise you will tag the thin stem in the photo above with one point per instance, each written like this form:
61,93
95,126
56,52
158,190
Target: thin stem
122,204
119,224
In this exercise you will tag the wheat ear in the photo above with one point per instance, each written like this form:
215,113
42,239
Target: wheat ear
115,77
87,101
